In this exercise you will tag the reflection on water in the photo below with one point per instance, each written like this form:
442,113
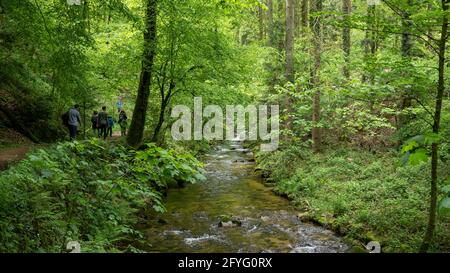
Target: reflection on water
267,223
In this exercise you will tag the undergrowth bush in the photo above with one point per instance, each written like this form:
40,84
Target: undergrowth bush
362,195
90,192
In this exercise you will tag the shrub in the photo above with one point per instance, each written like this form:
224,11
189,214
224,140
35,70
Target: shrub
84,191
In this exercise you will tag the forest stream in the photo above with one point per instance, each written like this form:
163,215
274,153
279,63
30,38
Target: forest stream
232,211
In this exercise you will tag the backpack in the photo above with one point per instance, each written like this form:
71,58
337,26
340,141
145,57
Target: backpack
122,117
94,120
65,119
103,119
110,122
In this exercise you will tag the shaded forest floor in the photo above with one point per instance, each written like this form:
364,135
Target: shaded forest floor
13,147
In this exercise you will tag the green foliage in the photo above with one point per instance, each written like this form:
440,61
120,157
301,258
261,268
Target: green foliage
358,193
416,149
444,204
87,191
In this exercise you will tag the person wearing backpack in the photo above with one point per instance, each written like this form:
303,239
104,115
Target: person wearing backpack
65,119
103,123
123,122
74,121
94,121
110,126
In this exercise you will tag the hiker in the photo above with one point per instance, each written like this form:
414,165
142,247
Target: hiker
110,126
103,123
94,121
74,122
123,122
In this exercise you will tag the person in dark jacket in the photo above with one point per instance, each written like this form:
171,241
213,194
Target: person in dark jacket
103,123
123,122
74,122
110,126
94,121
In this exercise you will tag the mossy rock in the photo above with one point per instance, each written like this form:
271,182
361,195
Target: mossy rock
370,236
229,221
357,249
225,218
304,216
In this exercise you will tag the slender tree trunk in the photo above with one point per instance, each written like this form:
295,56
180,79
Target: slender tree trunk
261,23
346,38
280,26
290,74
271,40
406,46
298,17
311,19
290,40
305,14
165,99
317,50
84,117
137,126
436,127
369,42
160,122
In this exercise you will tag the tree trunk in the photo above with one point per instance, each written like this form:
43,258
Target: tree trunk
271,41
261,23
165,99
346,38
84,117
290,74
280,27
317,50
369,41
305,14
436,127
298,17
290,40
160,123
137,126
405,100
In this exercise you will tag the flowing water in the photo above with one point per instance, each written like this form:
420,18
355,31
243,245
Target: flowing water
200,217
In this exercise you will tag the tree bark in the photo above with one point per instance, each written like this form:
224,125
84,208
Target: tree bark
436,127
305,14
290,74
271,40
280,27
317,50
406,46
346,38
290,40
137,126
369,41
261,22
297,17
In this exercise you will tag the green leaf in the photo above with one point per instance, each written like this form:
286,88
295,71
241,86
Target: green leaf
431,138
419,156
446,189
409,146
444,205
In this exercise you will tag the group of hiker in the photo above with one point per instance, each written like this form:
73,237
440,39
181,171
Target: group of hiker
102,123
